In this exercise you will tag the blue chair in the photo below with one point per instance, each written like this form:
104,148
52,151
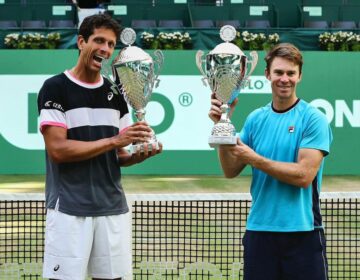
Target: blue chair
6,24
171,23
33,24
343,24
61,23
233,22
203,23
257,24
143,23
319,24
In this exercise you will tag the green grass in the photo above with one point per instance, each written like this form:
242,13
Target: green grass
174,184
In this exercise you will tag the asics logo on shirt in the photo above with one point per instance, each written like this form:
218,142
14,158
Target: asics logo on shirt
51,104
110,96
56,268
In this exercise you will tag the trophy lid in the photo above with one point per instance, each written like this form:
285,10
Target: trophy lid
128,36
131,53
227,34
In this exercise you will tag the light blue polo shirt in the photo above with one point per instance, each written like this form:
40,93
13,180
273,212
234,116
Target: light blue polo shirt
277,206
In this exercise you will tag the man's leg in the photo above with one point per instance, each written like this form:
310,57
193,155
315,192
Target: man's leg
261,261
305,257
68,241
111,255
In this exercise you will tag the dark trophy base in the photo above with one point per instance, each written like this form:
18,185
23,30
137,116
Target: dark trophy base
215,141
140,146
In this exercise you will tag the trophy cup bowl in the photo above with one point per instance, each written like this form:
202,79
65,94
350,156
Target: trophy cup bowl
226,71
136,72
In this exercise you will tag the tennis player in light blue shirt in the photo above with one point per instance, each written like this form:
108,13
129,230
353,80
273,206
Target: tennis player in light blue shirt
285,143
279,135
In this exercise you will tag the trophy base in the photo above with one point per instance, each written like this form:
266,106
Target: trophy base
215,141
141,146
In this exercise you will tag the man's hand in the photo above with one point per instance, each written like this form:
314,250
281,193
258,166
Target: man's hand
126,159
141,156
137,132
243,152
215,111
234,158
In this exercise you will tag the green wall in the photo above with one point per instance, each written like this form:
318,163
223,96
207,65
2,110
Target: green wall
330,80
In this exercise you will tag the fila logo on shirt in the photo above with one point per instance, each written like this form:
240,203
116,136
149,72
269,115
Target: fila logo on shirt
291,129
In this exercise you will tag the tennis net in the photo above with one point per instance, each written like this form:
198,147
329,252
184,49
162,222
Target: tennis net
178,236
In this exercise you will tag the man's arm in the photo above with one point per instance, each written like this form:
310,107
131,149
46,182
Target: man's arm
61,149
300,173
230,163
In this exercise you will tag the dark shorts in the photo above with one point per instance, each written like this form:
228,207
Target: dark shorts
285,255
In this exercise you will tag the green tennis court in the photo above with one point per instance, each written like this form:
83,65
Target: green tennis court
183,228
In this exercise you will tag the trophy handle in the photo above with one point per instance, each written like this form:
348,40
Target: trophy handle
105,71
199,64
253,62
159,59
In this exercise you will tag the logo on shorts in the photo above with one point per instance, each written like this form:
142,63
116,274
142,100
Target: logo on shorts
56,268
291,129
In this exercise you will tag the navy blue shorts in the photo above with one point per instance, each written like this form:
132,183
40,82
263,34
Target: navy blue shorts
285,255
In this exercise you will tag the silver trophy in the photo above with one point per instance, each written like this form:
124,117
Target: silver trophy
226,71
135,74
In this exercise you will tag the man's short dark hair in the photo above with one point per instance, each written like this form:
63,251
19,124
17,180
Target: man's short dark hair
287,51
98,21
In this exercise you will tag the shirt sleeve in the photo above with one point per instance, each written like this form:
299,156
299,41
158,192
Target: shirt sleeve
245,133
51,105
317,134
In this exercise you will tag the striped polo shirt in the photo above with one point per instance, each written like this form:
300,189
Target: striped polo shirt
88,112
